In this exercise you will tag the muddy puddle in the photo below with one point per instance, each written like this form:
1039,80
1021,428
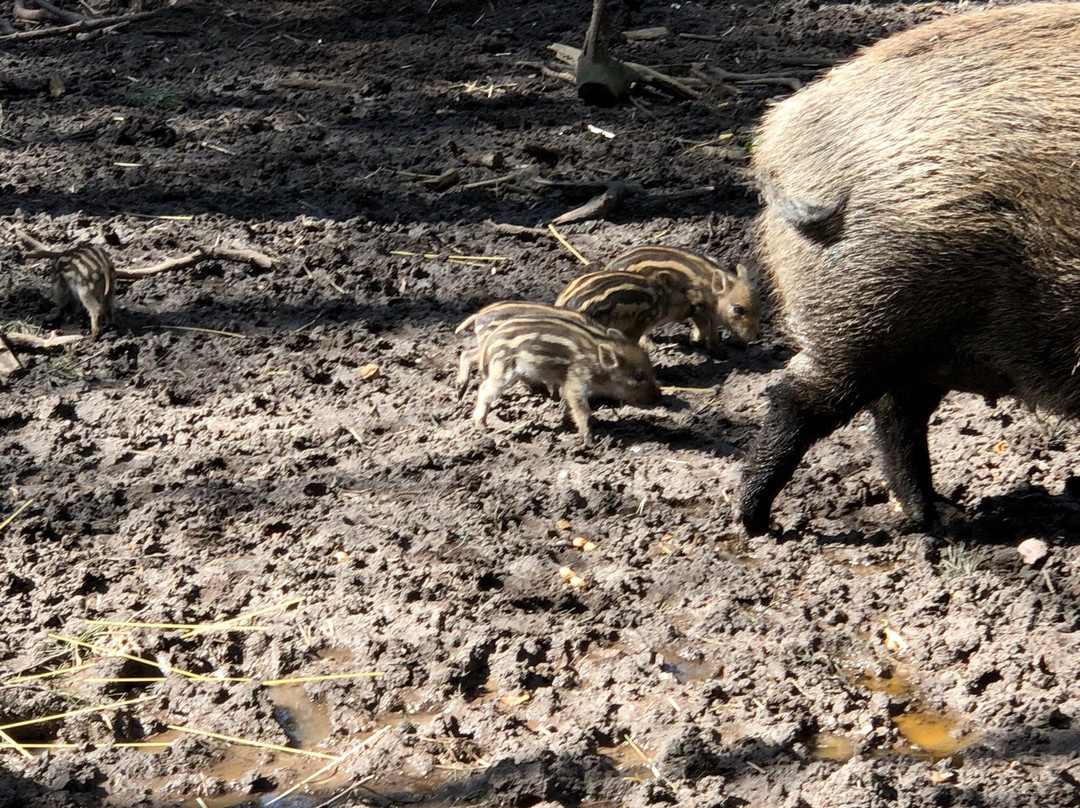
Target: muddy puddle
924,734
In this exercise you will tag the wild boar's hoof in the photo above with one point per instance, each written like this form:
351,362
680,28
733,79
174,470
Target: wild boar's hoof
754,515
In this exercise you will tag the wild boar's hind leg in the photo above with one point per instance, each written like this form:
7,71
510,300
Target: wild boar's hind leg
799,414
901,422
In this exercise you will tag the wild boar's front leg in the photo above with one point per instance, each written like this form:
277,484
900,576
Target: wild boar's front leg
901,422
802,409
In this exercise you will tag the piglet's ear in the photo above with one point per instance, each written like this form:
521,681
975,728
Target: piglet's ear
666,279
743,273
608,359
722,282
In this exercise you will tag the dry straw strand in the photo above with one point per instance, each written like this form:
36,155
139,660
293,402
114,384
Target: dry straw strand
32,677
295,680
18,747
246,742
227,624
331,765
559,237
97,708
18,510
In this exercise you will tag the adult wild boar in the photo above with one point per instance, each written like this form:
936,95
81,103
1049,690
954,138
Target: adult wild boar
921,231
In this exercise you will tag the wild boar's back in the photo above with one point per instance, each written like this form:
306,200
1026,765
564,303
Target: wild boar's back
922,207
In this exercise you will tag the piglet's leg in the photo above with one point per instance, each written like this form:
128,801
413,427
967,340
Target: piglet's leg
495,381
706,328
98,316
576,404
469,357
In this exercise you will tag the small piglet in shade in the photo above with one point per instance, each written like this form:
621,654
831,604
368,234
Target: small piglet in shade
85,274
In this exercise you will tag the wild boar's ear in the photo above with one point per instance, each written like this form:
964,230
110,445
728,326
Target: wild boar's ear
606,354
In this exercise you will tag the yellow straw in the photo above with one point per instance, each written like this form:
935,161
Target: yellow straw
568,245
295,680
332,764
206,331
227,623
188,626
18,510
198,677
47,674
245,742
20,748
82,711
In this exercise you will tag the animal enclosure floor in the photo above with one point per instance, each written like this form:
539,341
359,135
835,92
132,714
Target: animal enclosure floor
285,446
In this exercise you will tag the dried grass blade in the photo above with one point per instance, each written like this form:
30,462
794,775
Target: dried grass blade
295,680
559,237
246,742
98,708
331,765
18,510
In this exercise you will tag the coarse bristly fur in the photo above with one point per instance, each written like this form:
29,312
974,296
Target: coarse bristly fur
922,234
85,274
558,352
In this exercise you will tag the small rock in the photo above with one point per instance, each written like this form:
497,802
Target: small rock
1032,551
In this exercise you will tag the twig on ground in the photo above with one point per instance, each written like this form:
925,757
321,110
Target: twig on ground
599,206
529,172
30,342
243,256
517,229
82,26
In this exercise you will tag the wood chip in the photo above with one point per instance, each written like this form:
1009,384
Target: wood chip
646,34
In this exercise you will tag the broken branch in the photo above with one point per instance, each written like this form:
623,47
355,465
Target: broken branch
599,206
31,342
82,25
191,259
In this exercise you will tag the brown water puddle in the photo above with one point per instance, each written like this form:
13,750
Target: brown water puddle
830,746
932,736
926,734
305,721
632,761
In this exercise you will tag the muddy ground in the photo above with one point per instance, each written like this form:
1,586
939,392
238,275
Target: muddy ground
228,451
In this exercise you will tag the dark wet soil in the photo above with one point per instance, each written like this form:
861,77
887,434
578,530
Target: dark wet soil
288,443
